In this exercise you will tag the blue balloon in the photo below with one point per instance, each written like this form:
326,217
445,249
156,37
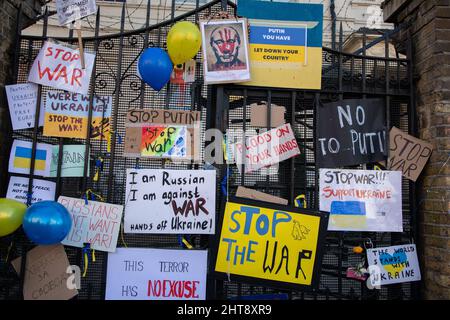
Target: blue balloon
47,222
155,67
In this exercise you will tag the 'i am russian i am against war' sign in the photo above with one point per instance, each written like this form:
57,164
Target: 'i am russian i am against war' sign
60,67
156,274
362,200
66,115
272,244
394,264
170,201
351,132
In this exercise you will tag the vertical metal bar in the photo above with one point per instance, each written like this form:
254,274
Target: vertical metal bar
364,64
387,89
244,128
172,11
341,32
269,126
17,46
197,4
333,24
87,150
116,107
292,160
224,4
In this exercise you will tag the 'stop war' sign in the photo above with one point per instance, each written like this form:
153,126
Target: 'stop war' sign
351,132
268,243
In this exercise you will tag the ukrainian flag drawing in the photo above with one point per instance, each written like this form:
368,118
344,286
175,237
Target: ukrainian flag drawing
22,158
285,45
348,214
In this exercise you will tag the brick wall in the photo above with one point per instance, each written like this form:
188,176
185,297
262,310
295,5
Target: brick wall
8,21
430,30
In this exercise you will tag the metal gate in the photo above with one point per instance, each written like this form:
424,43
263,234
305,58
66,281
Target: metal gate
222,107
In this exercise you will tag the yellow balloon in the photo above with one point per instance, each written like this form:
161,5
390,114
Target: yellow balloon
11,215
183,42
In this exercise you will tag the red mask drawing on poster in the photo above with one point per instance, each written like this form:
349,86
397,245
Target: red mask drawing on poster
60,67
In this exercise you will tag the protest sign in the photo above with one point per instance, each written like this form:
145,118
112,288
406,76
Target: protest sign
225,50
266,149
351,132
22,105
183,74
96,223
285,45
71,10
66,115
362,200
60,67
46,274
269,243
395,264
159,133
156,274
258,115
20,158
42,190
72,161
170,201
407,154
243,192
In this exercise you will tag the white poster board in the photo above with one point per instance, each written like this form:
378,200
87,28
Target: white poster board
20,158
394,264
22,105
42,190
96,223
60,67
156,274
170,201
266,149
362,200
71,10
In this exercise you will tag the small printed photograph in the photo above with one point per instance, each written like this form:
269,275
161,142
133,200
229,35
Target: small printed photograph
225,51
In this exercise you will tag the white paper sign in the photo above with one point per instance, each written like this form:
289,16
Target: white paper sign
362,200
156,274
170,201
96,223
394,264
59,67
22,105
42,190
71,10
20,158
266,149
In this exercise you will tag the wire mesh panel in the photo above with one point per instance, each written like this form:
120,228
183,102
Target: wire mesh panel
222,107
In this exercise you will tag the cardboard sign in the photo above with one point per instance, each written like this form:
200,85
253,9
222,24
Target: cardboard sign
351,132
159,133
258,115
42,190
59,67
407,154
267,243
97,223
20,158
285,43
46,274
267,148
362,200
170,201
22,105
72,161
394,264
225,50
66,115
156,274
71,10
243,192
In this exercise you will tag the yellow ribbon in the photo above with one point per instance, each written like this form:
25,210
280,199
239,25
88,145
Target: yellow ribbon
186,243
298,199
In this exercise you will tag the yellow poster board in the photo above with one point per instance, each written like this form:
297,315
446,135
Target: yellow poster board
277,244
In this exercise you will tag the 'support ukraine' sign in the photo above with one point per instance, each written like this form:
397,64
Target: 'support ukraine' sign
267,148
268,243
362,200
170,201
156,274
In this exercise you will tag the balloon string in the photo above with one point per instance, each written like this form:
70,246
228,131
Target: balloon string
9,250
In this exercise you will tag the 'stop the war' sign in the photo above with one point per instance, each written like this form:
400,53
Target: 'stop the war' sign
71,10
60,67
351,132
